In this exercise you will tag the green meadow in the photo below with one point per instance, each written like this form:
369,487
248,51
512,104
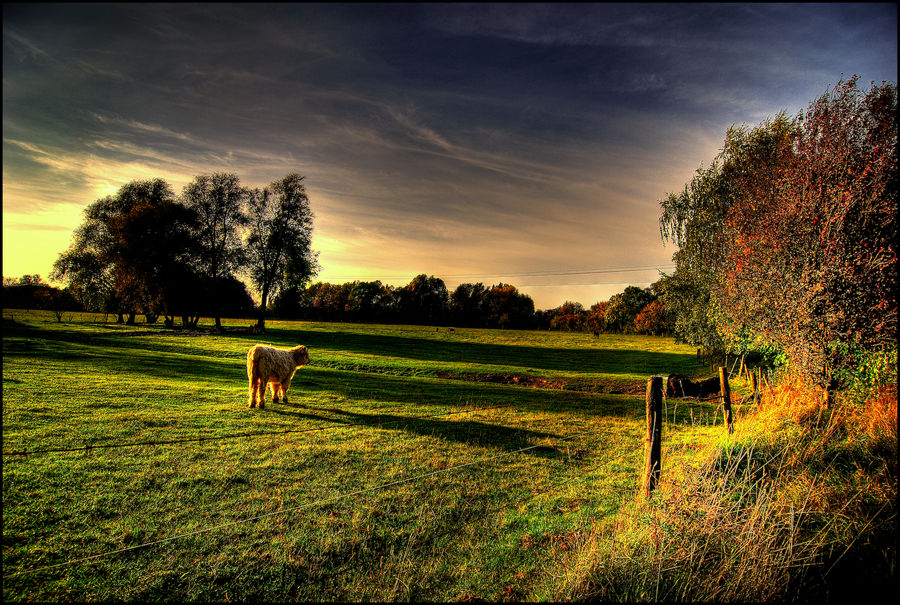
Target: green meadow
412,463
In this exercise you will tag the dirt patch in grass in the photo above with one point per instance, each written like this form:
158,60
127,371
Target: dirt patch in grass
187,332
555,382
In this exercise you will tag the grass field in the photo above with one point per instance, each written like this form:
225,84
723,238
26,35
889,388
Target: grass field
404,468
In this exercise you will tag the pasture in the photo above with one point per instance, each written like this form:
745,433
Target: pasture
413,463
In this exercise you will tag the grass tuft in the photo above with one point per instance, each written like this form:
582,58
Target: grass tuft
799,504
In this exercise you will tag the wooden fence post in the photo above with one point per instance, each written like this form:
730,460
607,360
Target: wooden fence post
754,384
828,398
726,398
653,449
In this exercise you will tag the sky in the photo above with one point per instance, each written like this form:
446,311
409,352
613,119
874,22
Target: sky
520,143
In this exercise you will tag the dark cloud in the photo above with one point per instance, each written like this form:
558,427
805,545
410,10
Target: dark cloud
450,138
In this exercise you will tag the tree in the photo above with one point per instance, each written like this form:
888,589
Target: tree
87,265
31,280
594,320
218,201
790,238
155,258
279,238
695,221
103,265
505,307
331,301
369,301
31,292
424,301
693,314
812,265
466,303
233,299
290,303
183,293
652,319
623,308
568,317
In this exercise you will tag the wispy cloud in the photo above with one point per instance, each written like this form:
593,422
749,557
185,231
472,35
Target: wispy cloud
20,45
553,24
456,138
93,175
142,128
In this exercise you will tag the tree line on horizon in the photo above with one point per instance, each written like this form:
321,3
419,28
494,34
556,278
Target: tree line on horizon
424,301
145,251
427,301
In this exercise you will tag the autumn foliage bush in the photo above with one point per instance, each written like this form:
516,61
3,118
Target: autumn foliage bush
652,319
812,259
792,232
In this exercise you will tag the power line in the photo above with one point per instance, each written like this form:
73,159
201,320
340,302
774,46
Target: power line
520,274
606,283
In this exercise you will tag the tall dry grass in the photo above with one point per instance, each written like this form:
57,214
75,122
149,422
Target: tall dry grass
799,504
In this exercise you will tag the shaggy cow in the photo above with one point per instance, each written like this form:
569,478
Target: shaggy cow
682,386
276,367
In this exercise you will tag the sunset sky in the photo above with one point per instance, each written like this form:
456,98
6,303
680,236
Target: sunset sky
522,143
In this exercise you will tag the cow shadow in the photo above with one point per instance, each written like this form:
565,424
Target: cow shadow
465,431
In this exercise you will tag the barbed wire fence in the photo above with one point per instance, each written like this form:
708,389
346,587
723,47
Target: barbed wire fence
549,487
20,454
333,499
213,438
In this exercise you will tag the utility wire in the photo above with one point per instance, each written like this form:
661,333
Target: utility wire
522,274
239,435
604,283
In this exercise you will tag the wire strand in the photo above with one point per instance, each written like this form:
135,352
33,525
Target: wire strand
521,274
278,512
86,448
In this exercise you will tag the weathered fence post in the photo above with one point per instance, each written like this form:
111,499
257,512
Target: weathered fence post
754,384
653,459
726,398
828,398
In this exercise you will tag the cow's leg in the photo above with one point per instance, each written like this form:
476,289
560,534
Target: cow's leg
254,391
261,393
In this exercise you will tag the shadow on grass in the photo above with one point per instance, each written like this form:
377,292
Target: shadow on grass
593,359
123,356
426,392
470,432
589,360
362,396
112,359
